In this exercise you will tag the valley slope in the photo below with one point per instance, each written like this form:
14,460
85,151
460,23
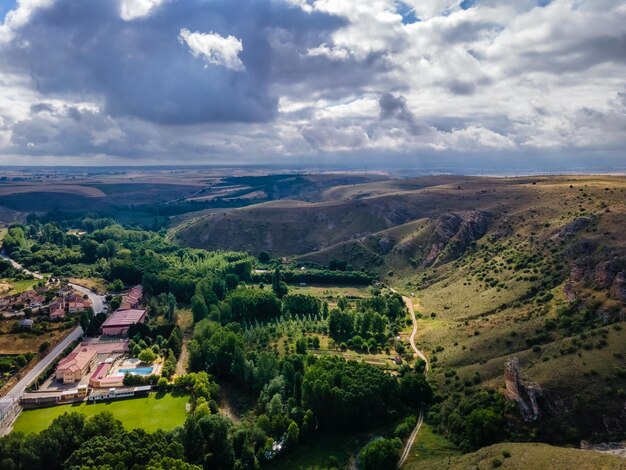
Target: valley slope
530,268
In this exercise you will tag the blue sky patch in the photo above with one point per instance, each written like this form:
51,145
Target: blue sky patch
5,7
467,4
407,13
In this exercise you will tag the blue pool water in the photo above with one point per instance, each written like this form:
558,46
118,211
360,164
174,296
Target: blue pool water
136,371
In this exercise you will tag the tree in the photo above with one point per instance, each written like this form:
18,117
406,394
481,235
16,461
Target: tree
147,356
199,308
278,285
115,303
483,426
301,346
264,257
293,435
116,286
102,424
89,249
380,454
252,304
347,394
414,390
340,324
171,306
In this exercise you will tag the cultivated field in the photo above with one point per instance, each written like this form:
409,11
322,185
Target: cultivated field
75,189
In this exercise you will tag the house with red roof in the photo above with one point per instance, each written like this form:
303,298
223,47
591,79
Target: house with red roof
118,322
76,364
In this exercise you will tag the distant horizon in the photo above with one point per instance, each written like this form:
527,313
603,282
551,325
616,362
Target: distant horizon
406,170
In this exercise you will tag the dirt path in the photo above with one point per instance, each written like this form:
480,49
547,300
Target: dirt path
227,410
183,359
420,420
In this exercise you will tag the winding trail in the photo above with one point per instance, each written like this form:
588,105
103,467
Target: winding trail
421,355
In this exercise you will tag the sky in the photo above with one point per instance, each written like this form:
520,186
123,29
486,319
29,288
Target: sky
351,82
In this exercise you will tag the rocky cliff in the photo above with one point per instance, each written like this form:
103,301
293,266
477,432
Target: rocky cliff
525,396
454,233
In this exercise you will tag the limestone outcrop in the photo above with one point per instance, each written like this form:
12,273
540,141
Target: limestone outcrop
618,288
453,235
572,228
525,396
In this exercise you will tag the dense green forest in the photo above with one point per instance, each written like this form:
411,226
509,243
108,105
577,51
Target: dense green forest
239,315
297,395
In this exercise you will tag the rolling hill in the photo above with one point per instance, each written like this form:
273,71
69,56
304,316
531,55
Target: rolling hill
532,269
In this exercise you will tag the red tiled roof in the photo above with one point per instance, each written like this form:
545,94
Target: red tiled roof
124,317
77,359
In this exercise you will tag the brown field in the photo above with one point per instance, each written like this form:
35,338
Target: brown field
97,285
20,343
80,190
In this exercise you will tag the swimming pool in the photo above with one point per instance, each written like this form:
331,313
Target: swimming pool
135,371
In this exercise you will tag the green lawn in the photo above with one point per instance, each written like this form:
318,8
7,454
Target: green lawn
149,413
427,446
22,286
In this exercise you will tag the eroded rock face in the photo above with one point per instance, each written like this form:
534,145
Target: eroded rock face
385,245
579,271
525,396
454,233
572,228
569,292
582,247
618,288
604,274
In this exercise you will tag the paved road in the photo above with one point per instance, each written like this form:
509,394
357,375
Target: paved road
421,355
97,301
9,400
17,265
16,392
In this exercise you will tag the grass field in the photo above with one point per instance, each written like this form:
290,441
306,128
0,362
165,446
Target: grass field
428,446
523,456
149,413
330,292
18,287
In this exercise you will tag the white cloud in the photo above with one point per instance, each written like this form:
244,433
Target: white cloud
425,9
502,76
19,16
333,53
133,9
213,48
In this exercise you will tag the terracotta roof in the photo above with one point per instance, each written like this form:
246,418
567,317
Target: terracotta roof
77,359
124,317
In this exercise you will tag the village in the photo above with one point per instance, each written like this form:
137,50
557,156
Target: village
51,300
96,368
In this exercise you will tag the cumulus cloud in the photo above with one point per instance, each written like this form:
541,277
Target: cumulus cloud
231,79
133,9
395,107
213,48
